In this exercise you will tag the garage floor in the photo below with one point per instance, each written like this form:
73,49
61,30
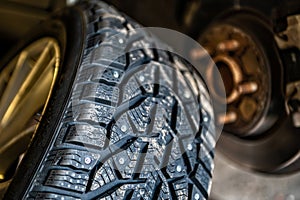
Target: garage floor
232,183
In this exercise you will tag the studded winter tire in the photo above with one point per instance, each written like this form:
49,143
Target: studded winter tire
124,121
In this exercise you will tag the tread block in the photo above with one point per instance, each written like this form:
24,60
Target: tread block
100,92
67,179
75,159
86,134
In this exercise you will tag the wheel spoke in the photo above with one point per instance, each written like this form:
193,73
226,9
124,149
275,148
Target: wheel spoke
20,72
10,151
5,76
23,134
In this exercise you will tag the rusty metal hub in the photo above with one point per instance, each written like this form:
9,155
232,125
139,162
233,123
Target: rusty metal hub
244,73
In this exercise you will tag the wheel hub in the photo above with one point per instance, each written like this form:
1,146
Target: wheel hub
244,75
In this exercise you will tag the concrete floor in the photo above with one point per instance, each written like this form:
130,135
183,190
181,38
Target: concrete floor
233,183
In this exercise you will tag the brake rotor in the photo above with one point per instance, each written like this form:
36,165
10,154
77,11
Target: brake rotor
259,133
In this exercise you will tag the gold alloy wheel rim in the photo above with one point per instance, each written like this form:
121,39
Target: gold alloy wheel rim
26,84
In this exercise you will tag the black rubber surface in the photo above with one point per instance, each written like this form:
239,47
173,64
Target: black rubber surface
135,127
